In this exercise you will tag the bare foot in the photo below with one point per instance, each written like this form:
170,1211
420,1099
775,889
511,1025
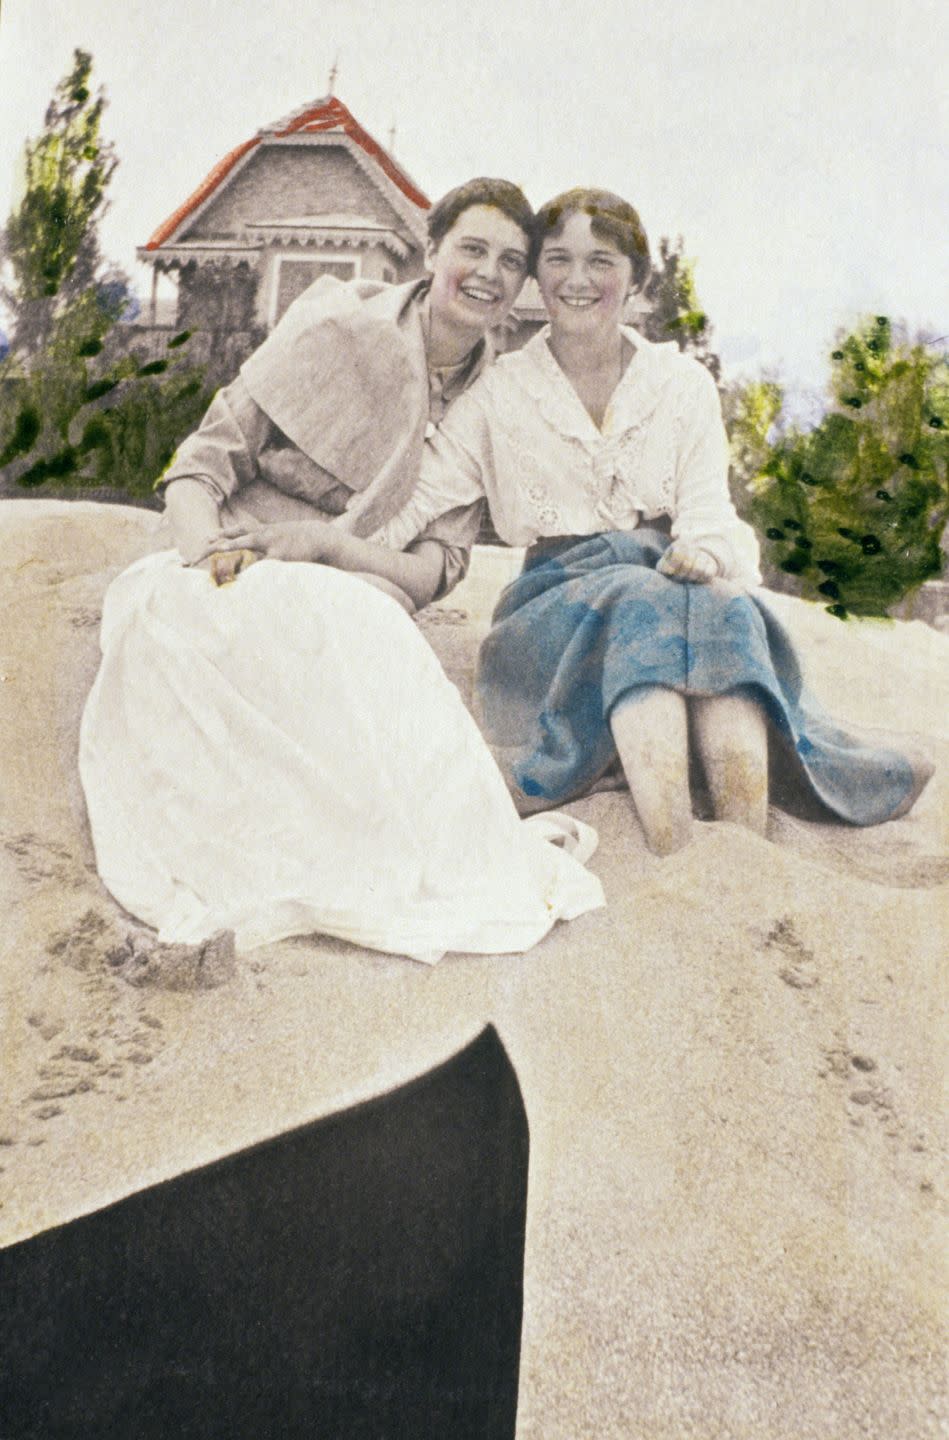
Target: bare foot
669,836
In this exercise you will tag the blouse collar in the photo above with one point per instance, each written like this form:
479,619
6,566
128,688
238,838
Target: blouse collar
633,401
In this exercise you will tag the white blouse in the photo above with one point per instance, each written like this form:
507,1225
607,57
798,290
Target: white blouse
522,437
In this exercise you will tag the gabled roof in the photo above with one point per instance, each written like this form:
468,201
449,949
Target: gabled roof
328,115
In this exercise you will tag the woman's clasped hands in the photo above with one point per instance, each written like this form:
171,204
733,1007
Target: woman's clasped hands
237,547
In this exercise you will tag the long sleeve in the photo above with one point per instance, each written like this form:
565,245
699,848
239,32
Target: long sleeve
704,513
456,532
451,475
237,452
223,453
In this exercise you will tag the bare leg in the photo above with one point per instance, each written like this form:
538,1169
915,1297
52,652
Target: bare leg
650,727
731,736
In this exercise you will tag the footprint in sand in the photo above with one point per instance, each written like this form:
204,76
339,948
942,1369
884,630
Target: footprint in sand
95,944
867,1097
121,1034
39,860
799,967
142,961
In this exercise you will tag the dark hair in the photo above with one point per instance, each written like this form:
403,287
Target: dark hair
501,195
611,218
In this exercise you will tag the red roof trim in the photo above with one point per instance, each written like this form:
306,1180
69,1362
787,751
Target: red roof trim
333,113
207,186
327,115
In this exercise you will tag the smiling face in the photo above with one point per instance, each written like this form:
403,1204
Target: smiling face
584,278
477,270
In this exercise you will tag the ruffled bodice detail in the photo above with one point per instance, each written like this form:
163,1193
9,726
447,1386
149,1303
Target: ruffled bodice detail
522,437
627,469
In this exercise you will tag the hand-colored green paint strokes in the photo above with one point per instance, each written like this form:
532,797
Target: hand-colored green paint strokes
79,408
855,509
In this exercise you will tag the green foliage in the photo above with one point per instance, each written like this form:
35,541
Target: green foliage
50,244
676,313
751,410
129,444
77,420
855,510
76,410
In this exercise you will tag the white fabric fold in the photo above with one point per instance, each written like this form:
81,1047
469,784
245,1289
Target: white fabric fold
285,755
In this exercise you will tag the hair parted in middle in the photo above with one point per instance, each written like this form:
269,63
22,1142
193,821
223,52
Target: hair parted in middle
611,218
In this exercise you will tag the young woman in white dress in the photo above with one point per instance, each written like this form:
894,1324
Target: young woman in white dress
273,748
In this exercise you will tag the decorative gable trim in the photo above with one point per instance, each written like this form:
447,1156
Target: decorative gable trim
314,234
332,115
327,122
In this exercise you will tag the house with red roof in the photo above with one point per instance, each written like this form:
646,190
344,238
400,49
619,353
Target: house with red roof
310,195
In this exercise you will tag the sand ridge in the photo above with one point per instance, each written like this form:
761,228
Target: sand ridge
733,1074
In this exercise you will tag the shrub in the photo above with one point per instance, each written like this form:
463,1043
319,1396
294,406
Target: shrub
854,511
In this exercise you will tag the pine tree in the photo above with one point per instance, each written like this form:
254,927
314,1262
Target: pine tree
676,313
855,510
51,242
74,410
751,409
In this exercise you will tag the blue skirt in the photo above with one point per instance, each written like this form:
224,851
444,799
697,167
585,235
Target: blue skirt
590,619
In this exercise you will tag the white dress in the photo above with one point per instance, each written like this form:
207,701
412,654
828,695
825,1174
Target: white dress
285,755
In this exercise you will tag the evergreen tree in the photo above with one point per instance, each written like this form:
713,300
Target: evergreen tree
751,410
51,243
676,313
855,510
74,409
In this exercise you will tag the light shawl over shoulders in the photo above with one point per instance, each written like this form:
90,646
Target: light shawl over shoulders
329,416
522,437
331,410
344,378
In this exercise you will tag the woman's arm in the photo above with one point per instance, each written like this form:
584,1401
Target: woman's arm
217,460
708,538
450,477
417,572
401,552
194,516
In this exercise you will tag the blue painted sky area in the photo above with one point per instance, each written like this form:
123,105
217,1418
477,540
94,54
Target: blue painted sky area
798,147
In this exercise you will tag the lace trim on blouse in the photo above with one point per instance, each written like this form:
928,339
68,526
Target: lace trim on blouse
613,459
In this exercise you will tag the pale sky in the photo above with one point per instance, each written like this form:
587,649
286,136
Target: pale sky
800,148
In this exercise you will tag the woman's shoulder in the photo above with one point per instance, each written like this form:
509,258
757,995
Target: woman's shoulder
518,374
666,359
503,383
340,313
663,374
329,298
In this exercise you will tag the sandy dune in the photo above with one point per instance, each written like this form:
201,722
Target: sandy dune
733,1074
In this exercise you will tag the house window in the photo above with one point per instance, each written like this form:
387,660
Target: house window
388,274
294,275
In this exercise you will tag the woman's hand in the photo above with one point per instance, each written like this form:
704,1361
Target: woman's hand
307,540
192,512
236,547
686,561
225,565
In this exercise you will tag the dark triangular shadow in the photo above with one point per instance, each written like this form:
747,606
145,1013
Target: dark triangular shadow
360,1276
